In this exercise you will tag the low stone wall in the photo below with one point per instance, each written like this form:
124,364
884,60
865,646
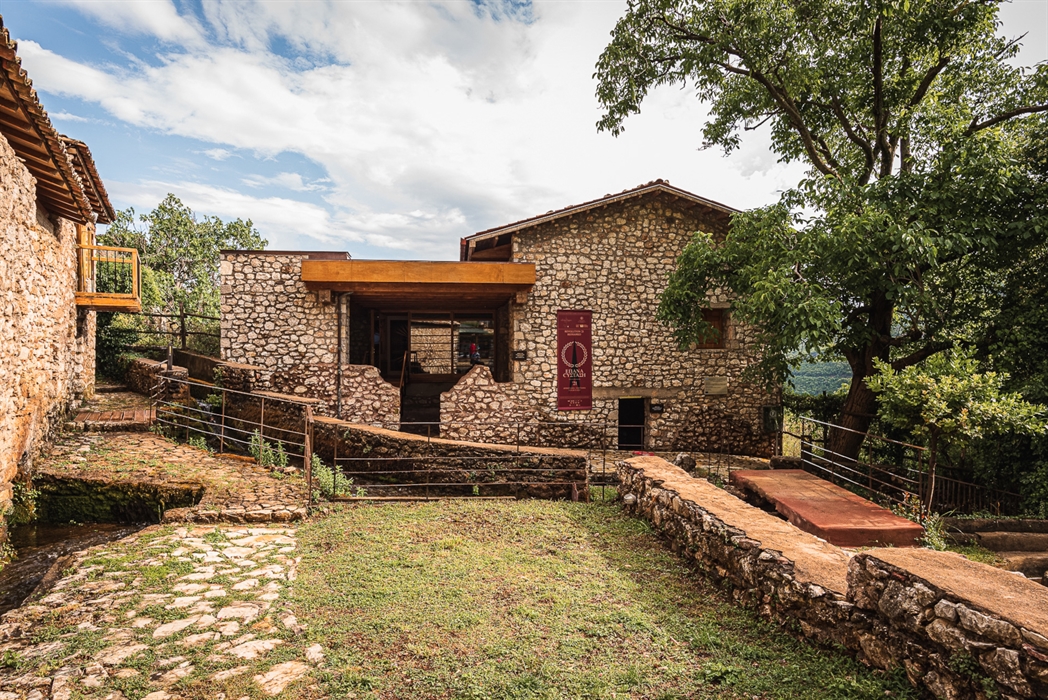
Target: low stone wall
480,409
145,376
452,467
367,397
960,629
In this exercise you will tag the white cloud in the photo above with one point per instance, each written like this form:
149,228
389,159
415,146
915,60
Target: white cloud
290,181
66,116
217,153
431,120
159,18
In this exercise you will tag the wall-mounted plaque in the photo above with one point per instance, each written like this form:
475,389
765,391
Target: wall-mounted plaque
715,386
520,355
656,408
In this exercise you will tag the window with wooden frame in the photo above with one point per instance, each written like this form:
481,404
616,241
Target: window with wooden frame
718,318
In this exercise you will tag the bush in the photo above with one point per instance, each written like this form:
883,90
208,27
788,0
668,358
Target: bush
264,452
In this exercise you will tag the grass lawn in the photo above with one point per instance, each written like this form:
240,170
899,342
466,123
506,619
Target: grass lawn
538,599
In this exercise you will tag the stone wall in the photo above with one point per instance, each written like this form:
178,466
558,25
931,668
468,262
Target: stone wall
448,467
47,347
147,377
479,407
959,629
616,261
290,334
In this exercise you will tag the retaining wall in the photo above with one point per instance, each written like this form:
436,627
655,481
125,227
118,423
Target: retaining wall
960,629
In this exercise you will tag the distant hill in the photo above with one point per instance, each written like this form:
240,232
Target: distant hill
817,377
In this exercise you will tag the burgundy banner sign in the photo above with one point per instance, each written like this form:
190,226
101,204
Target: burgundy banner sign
574,361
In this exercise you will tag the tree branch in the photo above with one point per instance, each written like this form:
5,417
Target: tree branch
924,353
979,126
853,136
880,116
927,81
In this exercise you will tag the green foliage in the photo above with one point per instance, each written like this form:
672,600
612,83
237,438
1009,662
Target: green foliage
181,250
200,442
927,172
949,398
818,377
265,453
179,254
23,504
823,407
325,479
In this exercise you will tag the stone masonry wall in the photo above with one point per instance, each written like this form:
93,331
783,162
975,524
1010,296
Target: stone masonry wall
503,412
616,261
270,320
959,629
47,348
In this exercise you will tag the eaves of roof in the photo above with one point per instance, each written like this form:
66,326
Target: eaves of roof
26,126
642,190
96,193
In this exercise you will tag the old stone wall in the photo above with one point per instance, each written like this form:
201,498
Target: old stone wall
615,262
960,629
389,463
149,378
47,347
503,412
290,334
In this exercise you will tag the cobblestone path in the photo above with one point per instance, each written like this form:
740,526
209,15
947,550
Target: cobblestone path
169,612
235,489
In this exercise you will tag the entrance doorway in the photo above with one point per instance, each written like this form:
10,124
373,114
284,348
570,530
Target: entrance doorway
631,423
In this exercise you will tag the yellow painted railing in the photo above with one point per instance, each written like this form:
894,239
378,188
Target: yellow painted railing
108,279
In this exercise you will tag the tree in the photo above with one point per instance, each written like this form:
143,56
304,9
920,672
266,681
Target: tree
180,252
950,401
920,192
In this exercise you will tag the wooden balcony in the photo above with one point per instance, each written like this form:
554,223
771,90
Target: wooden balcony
108,279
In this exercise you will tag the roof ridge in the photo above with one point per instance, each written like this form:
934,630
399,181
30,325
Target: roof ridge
658,184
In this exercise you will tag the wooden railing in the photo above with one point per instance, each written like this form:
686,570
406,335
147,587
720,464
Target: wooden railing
108,279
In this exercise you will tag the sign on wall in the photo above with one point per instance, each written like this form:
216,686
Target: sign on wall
574,361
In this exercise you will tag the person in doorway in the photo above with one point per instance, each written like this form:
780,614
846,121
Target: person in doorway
474,354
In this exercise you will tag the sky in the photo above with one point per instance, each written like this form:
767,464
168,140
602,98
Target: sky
386,129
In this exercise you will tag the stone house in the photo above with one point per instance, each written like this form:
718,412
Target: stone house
482,345
52,277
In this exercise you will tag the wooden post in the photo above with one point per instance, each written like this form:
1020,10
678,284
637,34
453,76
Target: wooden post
183,335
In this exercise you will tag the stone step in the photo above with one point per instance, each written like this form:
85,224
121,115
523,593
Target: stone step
1013,541
110,388
1030,564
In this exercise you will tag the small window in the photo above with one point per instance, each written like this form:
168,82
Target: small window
718,319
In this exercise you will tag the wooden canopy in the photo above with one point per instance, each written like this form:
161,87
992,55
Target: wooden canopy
394,285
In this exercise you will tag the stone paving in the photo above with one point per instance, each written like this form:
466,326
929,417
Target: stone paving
114,410
236,489
167,613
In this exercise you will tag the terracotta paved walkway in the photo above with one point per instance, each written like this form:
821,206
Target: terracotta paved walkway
828,511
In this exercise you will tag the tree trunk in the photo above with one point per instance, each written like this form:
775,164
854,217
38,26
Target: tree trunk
859,408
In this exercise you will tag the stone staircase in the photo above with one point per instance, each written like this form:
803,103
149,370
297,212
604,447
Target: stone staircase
1021,544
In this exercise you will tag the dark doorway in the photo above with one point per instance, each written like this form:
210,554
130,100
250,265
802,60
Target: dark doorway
631,424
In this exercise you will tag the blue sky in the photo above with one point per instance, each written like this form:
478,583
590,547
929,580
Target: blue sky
388,129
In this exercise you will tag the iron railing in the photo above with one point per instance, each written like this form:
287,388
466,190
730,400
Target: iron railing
892,472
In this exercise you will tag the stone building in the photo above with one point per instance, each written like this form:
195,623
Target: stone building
480,346
51,197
